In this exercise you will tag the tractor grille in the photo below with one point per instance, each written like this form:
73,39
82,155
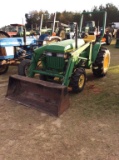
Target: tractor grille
56,63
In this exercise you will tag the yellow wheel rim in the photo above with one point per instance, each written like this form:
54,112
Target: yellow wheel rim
81,81
106,62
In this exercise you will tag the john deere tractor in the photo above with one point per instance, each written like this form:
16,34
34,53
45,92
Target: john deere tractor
67,60
62,68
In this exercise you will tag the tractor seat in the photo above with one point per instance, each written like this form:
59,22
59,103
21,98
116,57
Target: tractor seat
90,38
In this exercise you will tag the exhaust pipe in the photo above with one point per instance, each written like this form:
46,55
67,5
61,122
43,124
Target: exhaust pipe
76,36
24,35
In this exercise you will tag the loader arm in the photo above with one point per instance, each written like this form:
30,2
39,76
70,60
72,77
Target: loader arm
95,51
35,58
74,60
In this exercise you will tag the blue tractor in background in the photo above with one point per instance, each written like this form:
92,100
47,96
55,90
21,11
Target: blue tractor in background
15,50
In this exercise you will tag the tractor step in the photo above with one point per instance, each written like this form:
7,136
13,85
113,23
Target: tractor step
50,97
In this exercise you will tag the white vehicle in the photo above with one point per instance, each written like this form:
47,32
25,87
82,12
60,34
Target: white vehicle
115,26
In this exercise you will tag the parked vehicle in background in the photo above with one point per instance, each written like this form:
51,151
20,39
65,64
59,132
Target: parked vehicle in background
13,30
117,39
114,26
91,29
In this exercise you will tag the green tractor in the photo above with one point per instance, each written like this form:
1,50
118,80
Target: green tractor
62,69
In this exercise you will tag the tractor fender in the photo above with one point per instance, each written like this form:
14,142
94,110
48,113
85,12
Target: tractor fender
95,50
4,34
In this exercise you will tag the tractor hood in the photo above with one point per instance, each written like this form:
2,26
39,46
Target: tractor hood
46,30
64,46
16,41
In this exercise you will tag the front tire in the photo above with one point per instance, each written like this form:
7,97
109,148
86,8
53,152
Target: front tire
3,68
102,62
23,67
78,80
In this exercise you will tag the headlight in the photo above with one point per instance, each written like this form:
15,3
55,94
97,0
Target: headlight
48,53
60,55
44,42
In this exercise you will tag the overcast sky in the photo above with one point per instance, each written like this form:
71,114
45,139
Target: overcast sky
13,11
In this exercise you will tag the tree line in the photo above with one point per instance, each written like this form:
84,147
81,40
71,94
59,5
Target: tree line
33,17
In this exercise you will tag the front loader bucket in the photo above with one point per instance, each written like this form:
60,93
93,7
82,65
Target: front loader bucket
50,97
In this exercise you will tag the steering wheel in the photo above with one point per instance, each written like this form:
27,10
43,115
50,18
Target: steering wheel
84,35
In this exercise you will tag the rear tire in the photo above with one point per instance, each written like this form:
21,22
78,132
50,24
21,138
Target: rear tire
23,67
108,39
102,62
3,68
78,80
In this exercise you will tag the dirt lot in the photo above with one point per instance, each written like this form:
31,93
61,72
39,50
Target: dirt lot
88,130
